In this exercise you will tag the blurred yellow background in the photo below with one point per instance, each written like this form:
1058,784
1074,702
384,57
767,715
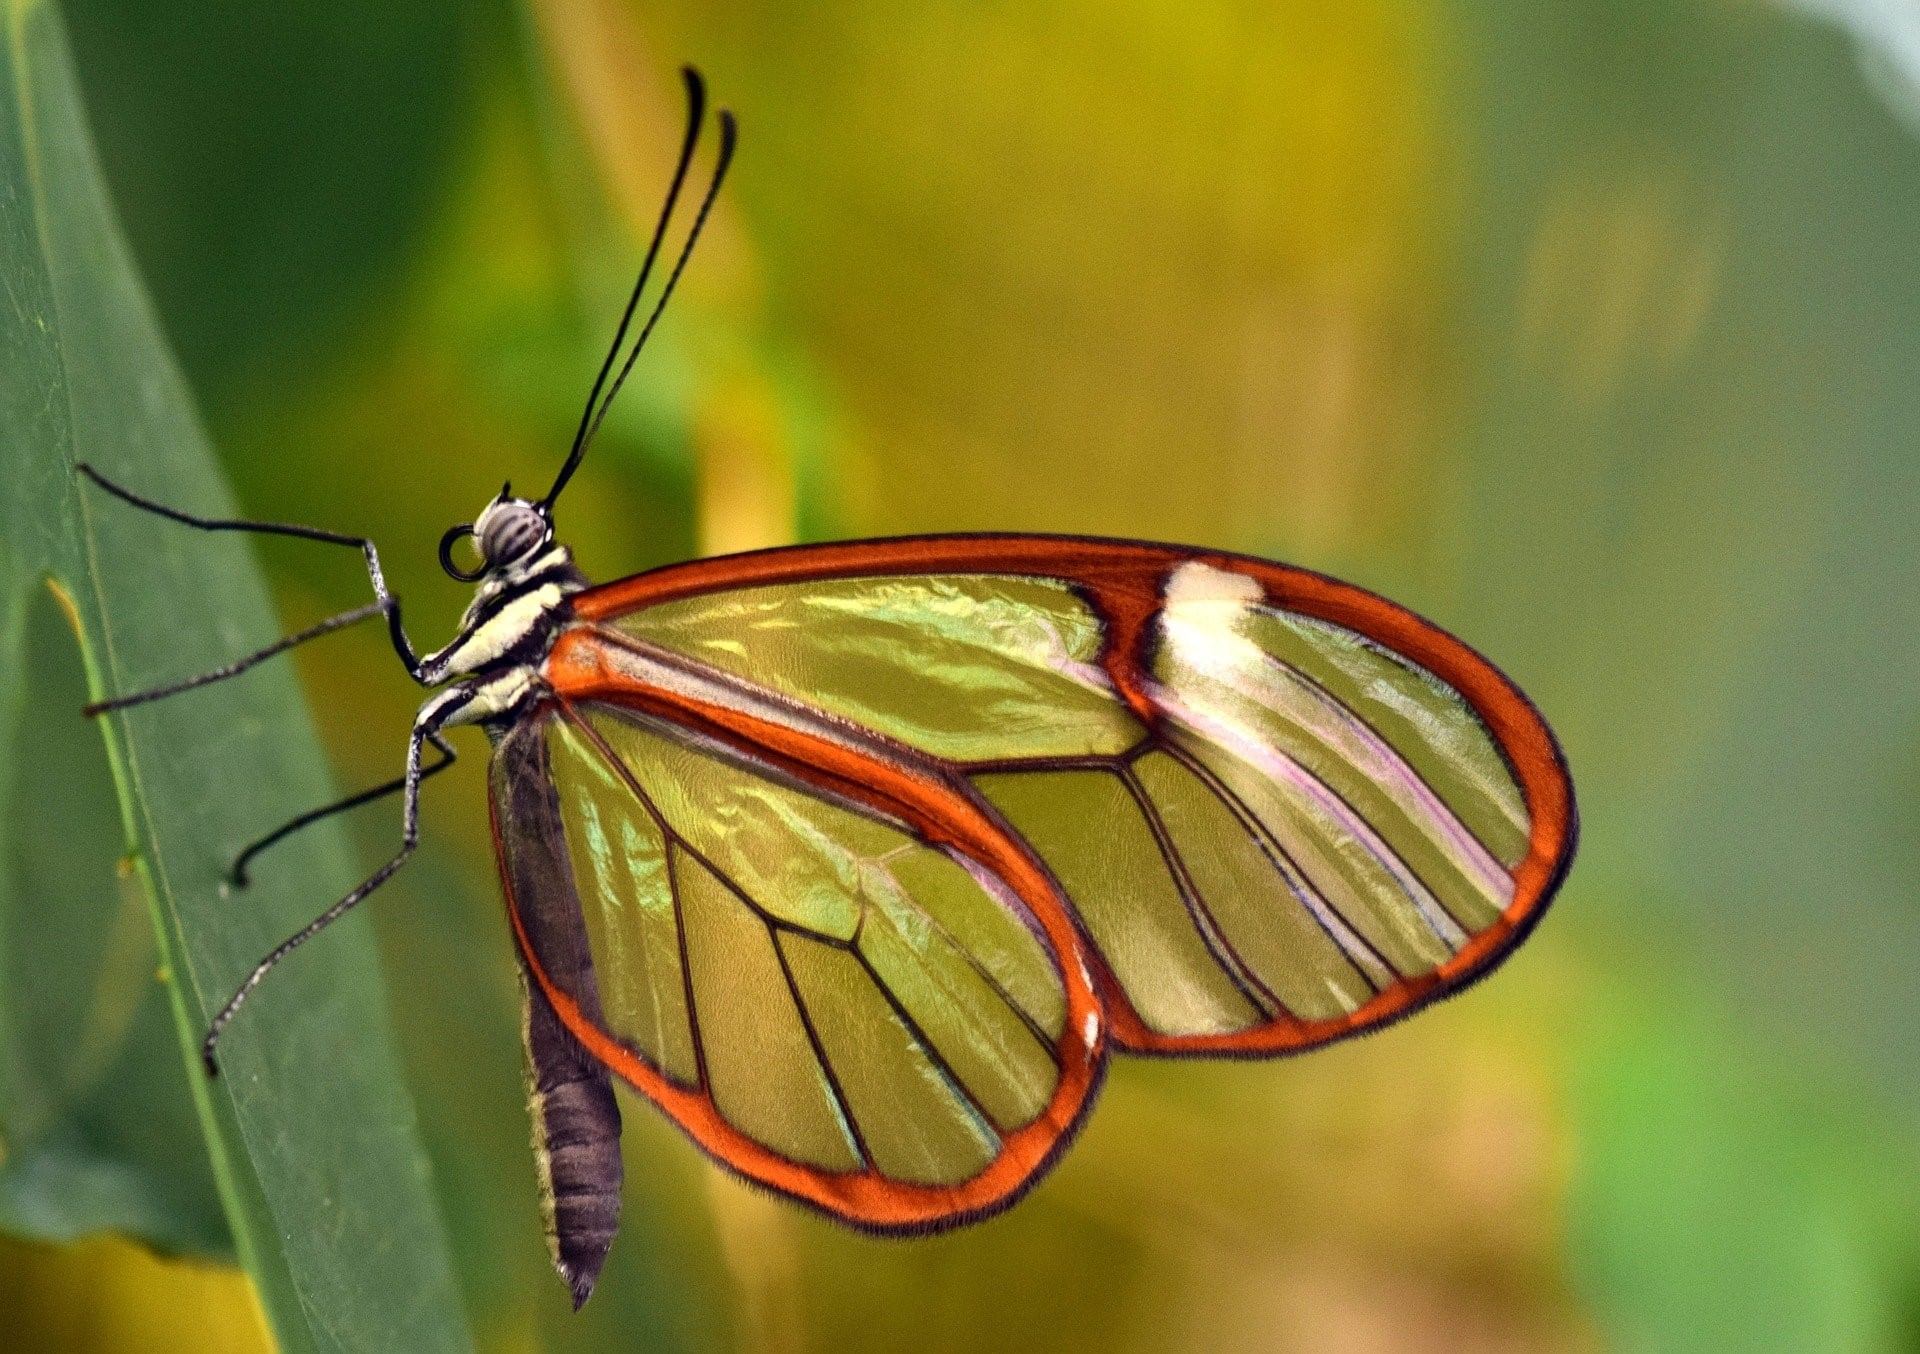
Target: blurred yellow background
1590,330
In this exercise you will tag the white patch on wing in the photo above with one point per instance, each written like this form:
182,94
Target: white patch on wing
1202,617
1196,581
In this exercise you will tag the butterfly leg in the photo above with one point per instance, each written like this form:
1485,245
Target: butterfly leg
239,665
426,726
237,875
384,603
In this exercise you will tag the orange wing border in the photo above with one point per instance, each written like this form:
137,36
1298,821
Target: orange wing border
1125,581
943,814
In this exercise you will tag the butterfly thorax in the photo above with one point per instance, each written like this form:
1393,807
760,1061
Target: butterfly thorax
516,613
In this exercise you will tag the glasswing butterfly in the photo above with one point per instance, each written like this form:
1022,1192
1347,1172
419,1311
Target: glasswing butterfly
858,860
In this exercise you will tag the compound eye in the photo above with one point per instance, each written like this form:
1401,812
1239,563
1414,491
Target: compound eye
511,534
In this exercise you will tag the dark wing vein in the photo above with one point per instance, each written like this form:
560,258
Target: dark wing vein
960,1090
670,840
1090,762
686,969
1366,730
1385,852
676,842
1219,948
1356,823
973,961
1345,937
673,836
986,976
840,1102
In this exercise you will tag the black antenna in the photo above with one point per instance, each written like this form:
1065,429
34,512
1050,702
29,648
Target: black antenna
728,135
696,111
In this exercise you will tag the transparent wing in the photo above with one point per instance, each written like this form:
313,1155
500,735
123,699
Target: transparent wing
1281,809
822,997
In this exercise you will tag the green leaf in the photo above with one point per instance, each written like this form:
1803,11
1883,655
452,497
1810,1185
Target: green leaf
310,1133
98,1124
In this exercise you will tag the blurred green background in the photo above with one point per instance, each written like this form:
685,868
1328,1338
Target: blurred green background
1591,330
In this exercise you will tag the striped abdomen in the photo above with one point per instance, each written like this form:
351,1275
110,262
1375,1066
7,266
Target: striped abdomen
576,1124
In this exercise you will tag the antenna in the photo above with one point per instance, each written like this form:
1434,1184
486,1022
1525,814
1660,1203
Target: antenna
597,406
729,134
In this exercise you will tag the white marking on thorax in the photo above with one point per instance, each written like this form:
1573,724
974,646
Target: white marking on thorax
496,696
493,637
512,577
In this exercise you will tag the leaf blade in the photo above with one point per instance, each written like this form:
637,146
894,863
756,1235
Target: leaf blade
311,1133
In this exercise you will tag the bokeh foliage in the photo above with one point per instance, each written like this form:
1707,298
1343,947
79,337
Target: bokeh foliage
1588,329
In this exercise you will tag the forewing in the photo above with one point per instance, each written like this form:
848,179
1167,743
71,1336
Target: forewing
822,996
1282,808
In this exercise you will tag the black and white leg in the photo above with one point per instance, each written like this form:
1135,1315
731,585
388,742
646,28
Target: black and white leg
237,874
384,603
426,727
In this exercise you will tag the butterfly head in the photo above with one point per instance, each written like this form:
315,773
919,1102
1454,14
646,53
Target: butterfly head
509,531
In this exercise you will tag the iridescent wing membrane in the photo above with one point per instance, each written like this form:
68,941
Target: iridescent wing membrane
874,848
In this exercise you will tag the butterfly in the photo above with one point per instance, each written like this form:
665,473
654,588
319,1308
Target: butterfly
860,860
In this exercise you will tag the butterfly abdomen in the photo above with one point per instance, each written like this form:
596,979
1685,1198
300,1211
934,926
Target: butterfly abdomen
576,1124
576,1142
